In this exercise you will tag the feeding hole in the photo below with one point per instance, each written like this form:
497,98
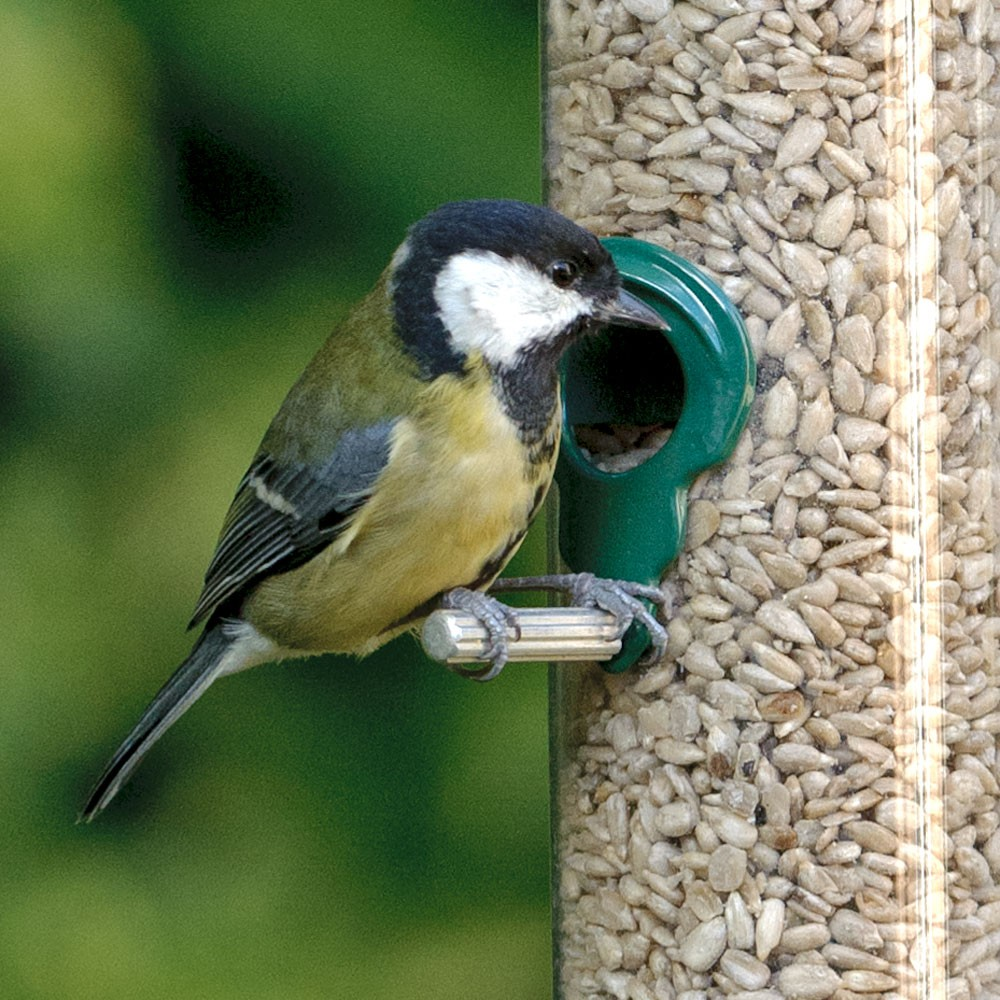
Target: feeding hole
624,395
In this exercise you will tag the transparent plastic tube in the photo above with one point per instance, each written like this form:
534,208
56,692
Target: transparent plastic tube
801,799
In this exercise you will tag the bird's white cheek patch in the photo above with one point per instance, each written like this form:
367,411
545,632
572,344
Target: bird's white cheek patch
497,305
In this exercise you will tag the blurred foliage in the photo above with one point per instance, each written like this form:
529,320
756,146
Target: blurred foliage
190,195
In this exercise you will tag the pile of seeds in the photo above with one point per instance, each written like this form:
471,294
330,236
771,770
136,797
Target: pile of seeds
801,800
620,447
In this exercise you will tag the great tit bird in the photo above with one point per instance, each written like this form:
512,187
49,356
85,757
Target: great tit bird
404,466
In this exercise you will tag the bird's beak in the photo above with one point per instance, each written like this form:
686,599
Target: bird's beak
627,310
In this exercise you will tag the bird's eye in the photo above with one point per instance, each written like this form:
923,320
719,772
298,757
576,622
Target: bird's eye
564,273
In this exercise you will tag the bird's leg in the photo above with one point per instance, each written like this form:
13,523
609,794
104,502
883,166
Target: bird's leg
621,598
496,617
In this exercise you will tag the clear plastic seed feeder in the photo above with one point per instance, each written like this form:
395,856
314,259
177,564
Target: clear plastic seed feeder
801,799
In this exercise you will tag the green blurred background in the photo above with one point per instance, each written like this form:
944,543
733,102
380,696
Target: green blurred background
191,192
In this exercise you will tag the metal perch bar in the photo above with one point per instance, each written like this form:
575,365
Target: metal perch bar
547,634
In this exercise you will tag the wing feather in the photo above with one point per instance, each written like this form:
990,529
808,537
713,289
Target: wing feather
285,512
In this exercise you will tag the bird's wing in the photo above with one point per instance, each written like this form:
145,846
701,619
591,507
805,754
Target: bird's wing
284,512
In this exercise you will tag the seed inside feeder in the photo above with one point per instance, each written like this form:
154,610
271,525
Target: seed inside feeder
620,447
835,167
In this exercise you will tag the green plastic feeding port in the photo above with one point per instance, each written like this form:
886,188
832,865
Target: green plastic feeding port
689,387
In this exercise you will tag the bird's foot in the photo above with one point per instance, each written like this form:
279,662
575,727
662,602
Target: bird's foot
624,599
496,617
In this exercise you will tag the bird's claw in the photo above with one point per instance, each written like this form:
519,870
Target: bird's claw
626,601
496,617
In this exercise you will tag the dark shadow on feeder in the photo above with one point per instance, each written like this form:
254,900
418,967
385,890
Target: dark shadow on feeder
624,395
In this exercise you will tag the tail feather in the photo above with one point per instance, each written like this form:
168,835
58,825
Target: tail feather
188,682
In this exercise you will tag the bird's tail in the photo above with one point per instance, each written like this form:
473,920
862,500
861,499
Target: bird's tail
208,660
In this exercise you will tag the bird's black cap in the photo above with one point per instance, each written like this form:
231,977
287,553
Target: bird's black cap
512,229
